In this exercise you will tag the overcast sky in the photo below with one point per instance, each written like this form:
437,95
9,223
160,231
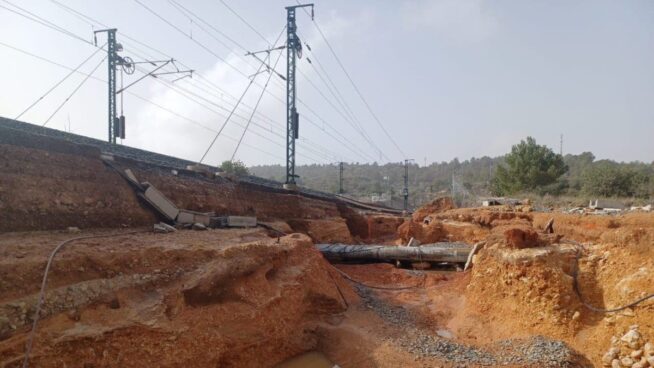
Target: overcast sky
446,78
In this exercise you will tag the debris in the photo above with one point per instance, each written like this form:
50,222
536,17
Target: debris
192,217
233,221
162,204
413,242
163,228
474,251
73,230
647,208
199,226
549,227
129,175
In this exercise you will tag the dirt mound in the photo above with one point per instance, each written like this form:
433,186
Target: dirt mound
469,225
383,227
327,231
529,289
437,205
424,233
228,303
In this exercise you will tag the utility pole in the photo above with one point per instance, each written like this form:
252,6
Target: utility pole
405,191
116,125
112,59
293,50
340,177
561,146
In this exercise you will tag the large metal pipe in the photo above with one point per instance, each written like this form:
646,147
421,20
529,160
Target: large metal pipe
436,252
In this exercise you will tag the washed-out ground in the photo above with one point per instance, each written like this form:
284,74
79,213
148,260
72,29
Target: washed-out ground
258,297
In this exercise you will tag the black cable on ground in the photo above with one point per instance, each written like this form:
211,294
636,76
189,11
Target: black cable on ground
338,288
378,287
591,307
41,298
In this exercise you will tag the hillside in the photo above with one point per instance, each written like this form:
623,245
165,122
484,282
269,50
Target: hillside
469,178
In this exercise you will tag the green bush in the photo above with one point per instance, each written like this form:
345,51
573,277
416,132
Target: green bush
608,179
237,168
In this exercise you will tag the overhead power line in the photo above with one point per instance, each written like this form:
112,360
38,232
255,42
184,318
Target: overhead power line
203,80
365,102
168,110
44,22
74,91
357,129
237,103
245,21
270,74
201,45
58,83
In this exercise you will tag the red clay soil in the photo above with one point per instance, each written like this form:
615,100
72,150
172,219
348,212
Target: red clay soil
521,284
42,190
67,185
196,299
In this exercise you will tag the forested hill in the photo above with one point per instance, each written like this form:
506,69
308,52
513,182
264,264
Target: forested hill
585,176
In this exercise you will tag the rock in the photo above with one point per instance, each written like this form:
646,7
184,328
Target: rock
632,339
576,315
637,365
627,362
199,226
518,238
73,230
157,228
636,354
610,355
163,228
648,348
650,360
616,364
627,313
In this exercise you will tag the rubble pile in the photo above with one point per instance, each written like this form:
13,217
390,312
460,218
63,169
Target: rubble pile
630,351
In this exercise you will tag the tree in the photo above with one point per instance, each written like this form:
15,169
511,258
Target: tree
608,179
529,167
237,168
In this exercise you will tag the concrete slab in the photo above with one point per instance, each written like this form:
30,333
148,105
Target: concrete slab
161,203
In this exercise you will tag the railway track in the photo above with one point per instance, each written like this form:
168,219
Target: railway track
7,126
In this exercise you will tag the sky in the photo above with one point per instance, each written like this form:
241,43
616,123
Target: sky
440,79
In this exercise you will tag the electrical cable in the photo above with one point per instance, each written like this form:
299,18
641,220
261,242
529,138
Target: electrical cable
237,103
204,79
380,287
192,121
367,138
355,86
245,21
577,289
74,91
270,74
37,19
41,297
206,48
58,83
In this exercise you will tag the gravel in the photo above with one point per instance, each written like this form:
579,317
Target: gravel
537,351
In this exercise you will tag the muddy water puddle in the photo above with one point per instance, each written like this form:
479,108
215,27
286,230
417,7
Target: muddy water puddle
313,359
